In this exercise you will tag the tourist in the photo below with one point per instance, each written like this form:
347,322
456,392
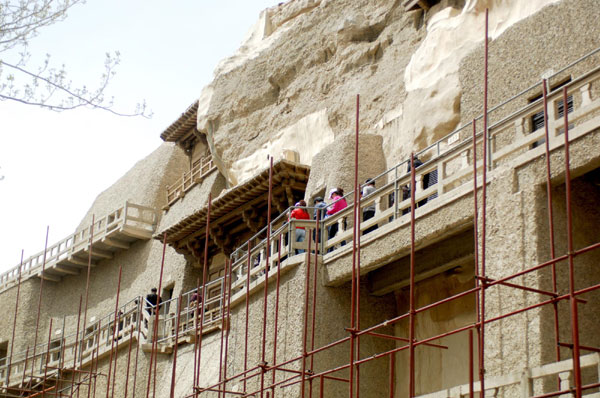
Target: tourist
195,298
320,208
369,211
300,213
337,205
151,301
406,192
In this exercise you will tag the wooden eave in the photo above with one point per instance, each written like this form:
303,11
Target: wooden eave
411,5
182,126
230,206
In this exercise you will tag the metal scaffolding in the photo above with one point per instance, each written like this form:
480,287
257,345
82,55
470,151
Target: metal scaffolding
298,371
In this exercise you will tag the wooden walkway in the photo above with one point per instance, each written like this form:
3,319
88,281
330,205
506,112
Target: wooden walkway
113,232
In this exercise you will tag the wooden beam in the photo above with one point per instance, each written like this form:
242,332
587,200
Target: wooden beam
411,5
48,277
100,253
115,243
71,260
66,269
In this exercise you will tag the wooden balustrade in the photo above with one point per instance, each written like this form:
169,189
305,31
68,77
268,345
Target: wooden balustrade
114,230
189,179
530,380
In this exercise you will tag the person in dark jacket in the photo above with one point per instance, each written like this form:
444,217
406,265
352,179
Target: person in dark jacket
369,211
151,301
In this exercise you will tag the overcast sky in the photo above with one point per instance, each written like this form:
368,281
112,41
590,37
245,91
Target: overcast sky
55,164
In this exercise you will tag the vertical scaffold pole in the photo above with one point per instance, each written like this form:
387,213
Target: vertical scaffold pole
223,296
137,347
12,340
25,366
571,255
356,240
129,360
87,290
483,212
471,366
275,327
76,341
228,326
247,315
476,235
305,328
37,322
264,330
47,357
353,294
411,318
476,224
176,344
94,356
314,314
202,304
117,330
153,353
551,222
196,326
114,333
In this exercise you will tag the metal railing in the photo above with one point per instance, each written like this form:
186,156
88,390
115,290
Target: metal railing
445,174
190,314
135,316
79,348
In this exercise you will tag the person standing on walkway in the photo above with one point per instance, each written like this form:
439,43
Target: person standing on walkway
300,213
369,211
338,204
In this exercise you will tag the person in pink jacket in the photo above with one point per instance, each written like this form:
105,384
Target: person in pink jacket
338,204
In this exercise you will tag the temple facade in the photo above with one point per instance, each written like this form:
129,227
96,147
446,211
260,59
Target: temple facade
470,269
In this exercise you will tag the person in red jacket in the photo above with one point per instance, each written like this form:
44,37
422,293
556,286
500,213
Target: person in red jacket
300,213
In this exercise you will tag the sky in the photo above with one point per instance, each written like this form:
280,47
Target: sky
54,164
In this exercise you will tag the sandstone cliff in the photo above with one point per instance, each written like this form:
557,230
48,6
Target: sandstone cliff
292,84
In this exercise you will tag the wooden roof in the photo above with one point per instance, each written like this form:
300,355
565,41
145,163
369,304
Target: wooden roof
180,127
286,176
411,5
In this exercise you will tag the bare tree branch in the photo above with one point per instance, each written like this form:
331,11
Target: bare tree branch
47,87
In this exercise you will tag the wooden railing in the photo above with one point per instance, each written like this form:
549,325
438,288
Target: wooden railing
189,179
129,216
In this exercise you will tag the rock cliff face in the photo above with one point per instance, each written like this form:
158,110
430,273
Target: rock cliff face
292,84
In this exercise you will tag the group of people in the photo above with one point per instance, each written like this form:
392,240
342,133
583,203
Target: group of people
153,301
322,210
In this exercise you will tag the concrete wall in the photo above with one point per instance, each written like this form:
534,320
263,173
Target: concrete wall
437,368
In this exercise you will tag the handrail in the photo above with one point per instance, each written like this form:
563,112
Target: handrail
435,156
495,384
